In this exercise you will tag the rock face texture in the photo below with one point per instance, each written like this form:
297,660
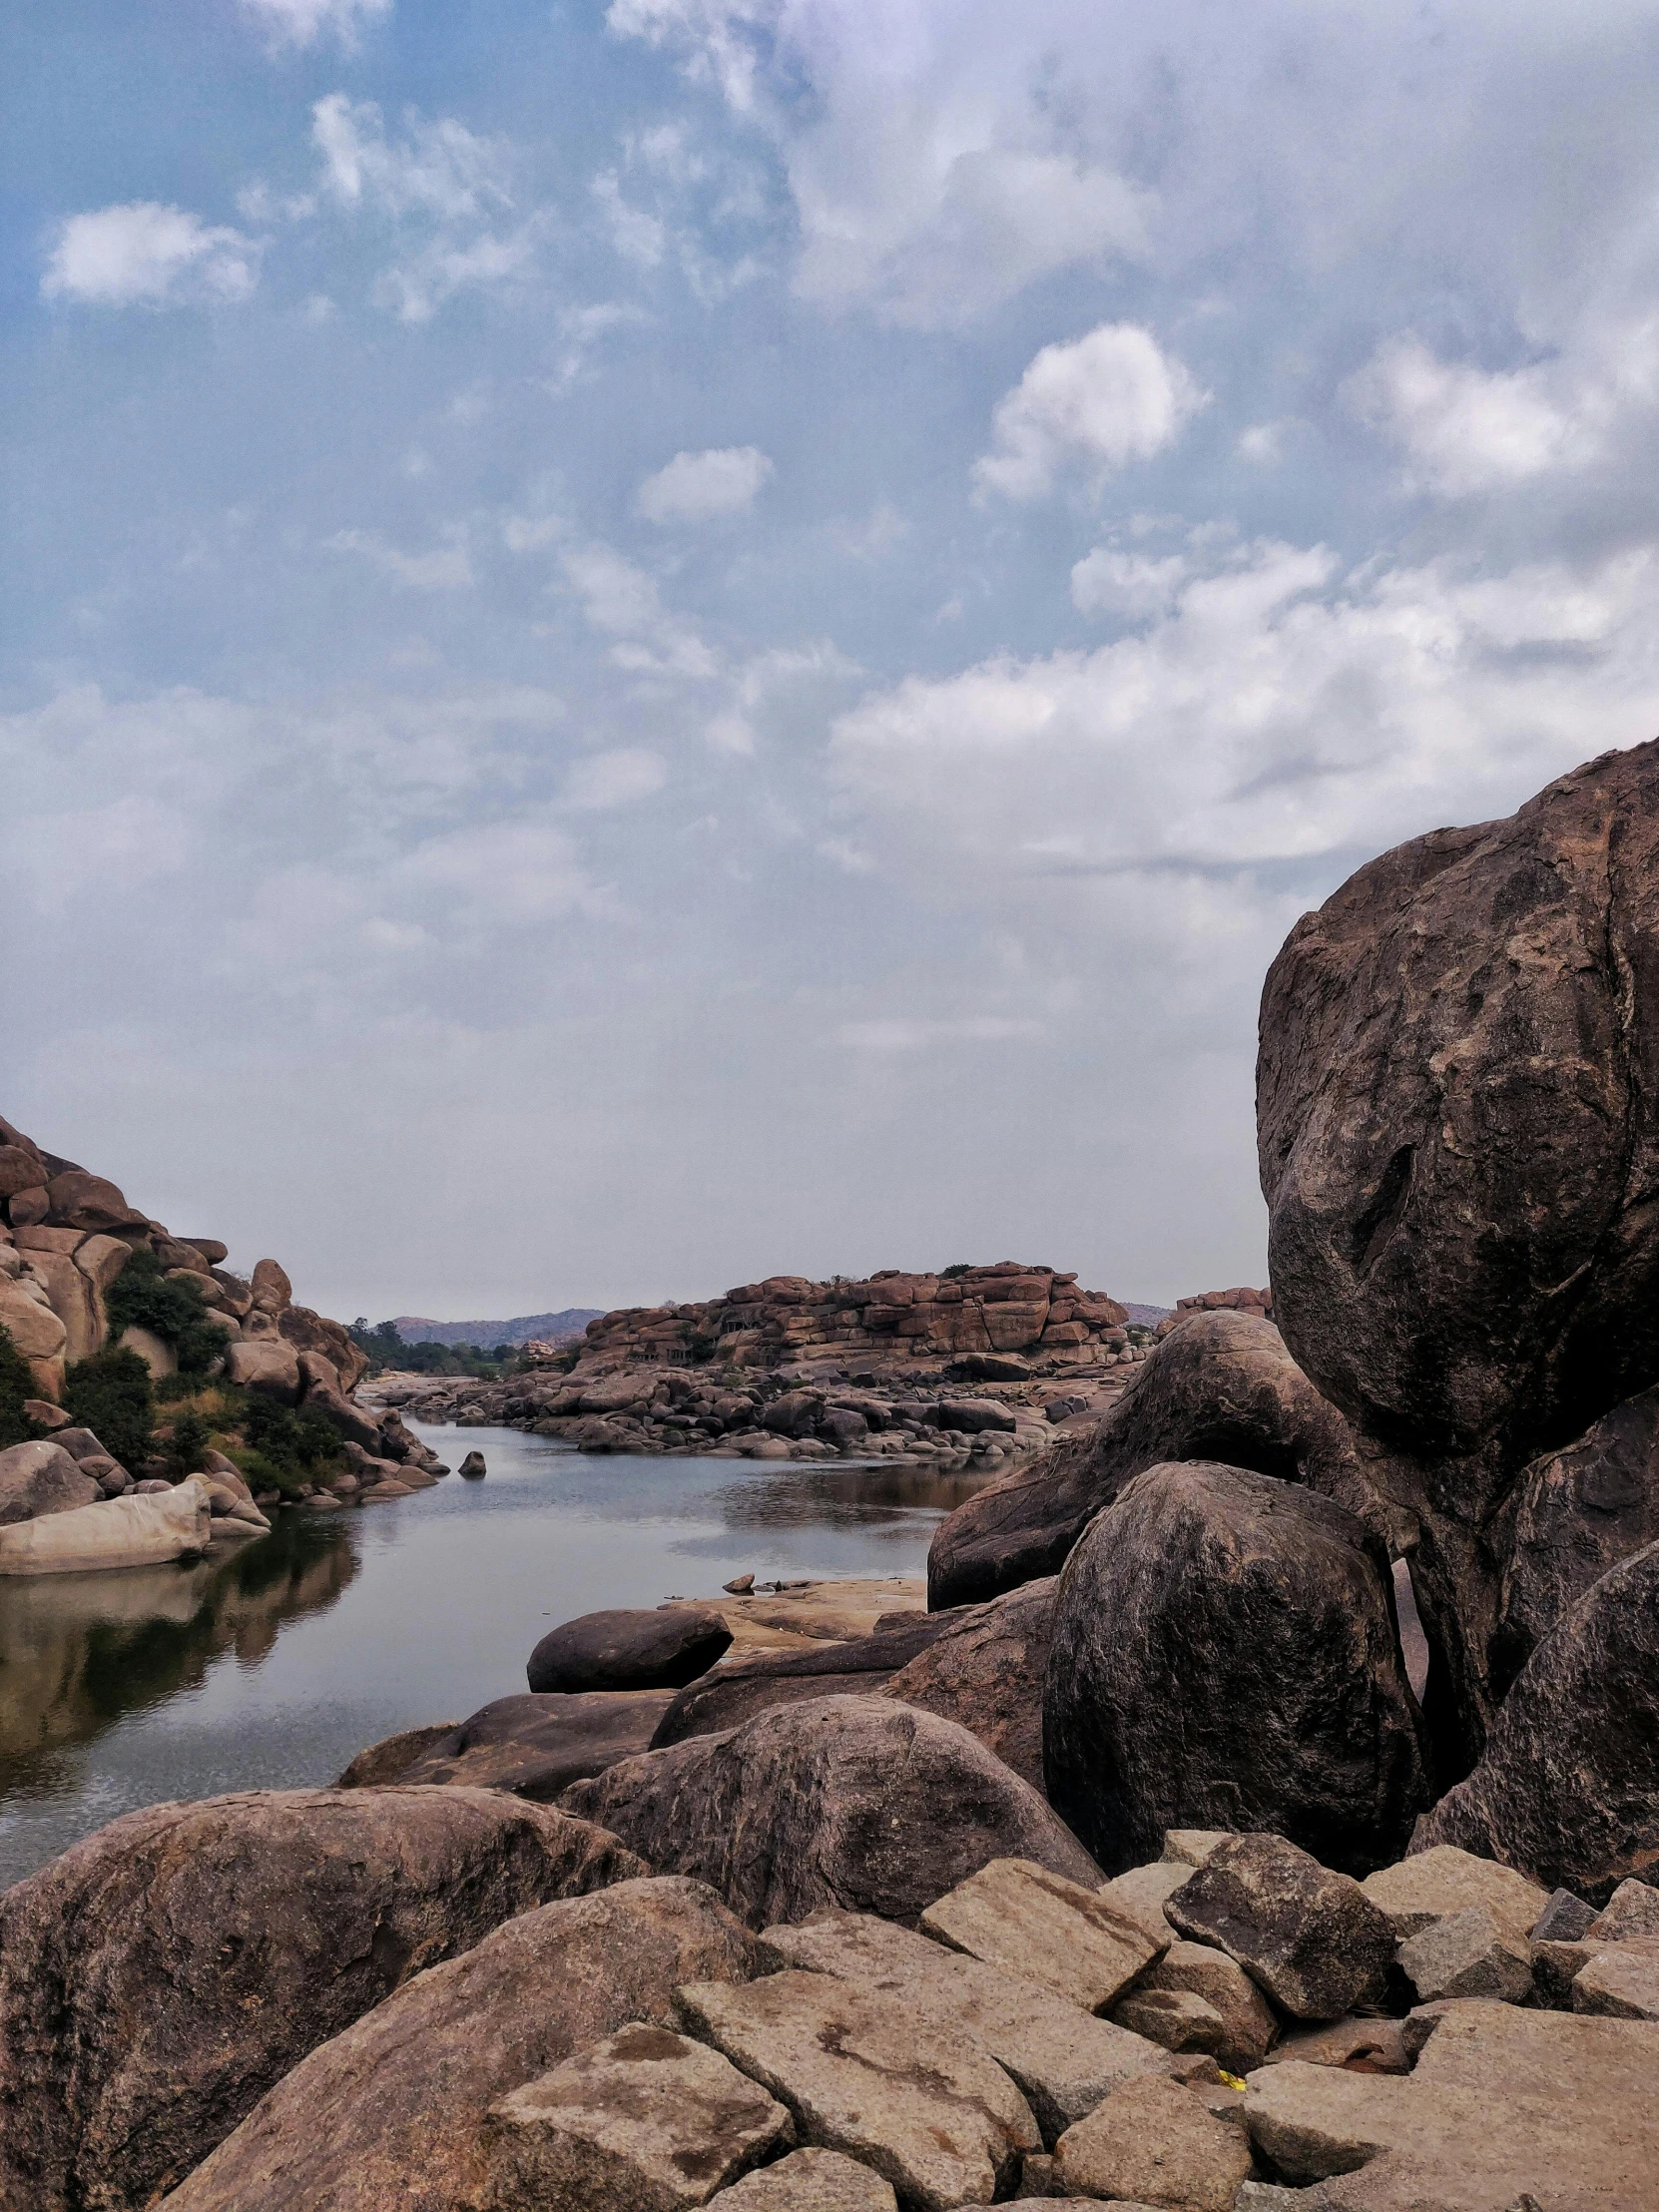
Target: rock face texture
986,1671
1225,1655
629,1650
1567,1788
742,1688
158,1977
851,1803
1458,1101
39,1478
394,2111
175,1523
1220,1386
536,1747
1309,1936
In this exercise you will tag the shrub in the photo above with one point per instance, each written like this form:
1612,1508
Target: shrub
110,1394
960,1266
298,1445
17,1382
144,1296
190,1440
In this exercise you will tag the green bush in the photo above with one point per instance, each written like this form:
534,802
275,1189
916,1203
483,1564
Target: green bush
261,1473
191,1438
142,1295
17,1382
960,1266
110,1394
298,1444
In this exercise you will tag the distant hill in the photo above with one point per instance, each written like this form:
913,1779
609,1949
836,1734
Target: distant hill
1148,1315
546,1327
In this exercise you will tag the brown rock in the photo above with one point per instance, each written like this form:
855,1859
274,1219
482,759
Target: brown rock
813,2181
986,1671
20,1170
1033,1923
268,1365
537,1746
1311,1937
1152,2142
386,1761
1620,1981
1197,1970
742,1687
77,1200
628,1649
1415,1893
158,1977
271,1290
40,1477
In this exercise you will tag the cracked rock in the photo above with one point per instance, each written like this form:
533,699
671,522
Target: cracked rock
1309,1937
1468,1954
1017,1915
1153,2142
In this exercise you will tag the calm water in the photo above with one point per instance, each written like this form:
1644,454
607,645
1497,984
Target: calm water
270,1668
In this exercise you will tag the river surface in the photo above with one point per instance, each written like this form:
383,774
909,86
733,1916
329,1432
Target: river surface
272,1667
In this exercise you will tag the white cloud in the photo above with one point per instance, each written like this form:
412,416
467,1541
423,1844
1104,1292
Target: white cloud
146,255
636,234
694,487
503,874
1088,407
618,778
298,23
447,567
1469,429
1108,582
620,599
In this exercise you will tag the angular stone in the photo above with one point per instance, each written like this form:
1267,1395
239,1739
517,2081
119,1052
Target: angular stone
645,2121
1191,1846
1620,1981
1417,1891
1062,2058
157,1977
394,2112
628,1649
1564,1920
986,1672
1503,2103
1248,2023
811,2180
1359,2045
1468,1954
265,1365
1206,1593
850,1801
854,1667
865,2073
1177,2019
1311,1937
1555,1968
1153,2142
1632,1909
1139,1895
1020,1917
538,1745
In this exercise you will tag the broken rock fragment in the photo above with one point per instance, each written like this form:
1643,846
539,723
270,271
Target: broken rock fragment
1309,1937
1468,1954
1017,1915
1154,2144
811,2180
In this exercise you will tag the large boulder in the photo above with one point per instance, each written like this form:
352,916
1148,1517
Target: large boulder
158,1977
1222,1386
396,2111
857,1667
40,1477
1567,1788
628,1649
27,1318
536,1747
851,1803
986,1670
1458,1101
265,1365
1225,1655
136,1531
77,1200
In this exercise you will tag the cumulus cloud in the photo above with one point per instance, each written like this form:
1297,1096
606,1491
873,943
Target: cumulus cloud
143,254
618,778
299,23
1109,582
694,488
621,598
1466,429
1085,409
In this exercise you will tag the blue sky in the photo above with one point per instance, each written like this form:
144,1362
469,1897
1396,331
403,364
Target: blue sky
655,644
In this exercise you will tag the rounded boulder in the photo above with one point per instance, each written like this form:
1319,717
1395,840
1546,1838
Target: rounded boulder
628,1649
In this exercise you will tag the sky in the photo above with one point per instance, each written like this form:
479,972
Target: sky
654,644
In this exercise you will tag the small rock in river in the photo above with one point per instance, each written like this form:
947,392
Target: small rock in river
472,1467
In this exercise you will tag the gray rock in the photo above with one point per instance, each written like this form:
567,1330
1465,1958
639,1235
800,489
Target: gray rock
1416,1893
629,1650
851,1803
1152,2142
1220,1983
811,2180
1632,1909
865,2073
1031,1922
1468,1954
536,1747
644,2121
1564,1920
857,1666
1309,1936
42,1477
986,1671
1204,1595
1620,1981
158,1977
472,1467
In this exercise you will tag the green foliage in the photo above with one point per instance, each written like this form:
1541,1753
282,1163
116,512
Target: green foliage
190,1440
960,1266
298,1445
142,1295
386,1349
110,1394
17,1383
261,1473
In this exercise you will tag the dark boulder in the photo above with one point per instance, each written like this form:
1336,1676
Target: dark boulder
388,1759
537,1746
77,1200
1567,1788
628,1649
472,1467
40,1477
1310,1936
1221,1386
1225,1655
743,1687
1457,1098
986,1671
854,1804
1579,1512
394,2111
158,1977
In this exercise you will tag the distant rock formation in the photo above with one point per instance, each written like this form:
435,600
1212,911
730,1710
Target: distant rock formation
561,1328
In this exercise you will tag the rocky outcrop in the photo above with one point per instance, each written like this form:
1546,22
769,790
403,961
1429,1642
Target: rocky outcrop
855,1803
628,1649
396,2111
1225,1655
537,1746
743,1687
175,1523
1307,1935
1458,1132
986,1671
158,1977
1222,1386
40,1477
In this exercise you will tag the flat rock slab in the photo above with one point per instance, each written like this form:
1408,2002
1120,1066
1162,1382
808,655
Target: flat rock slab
1062,2059
628,1649
1139,1895
394,2111
1312,1939
811,2180
537,1746
1152,2142
1468,1954
1504,2103
741,1687
1021,1916
1417,1891
644,2121
1620,1982
1632,1910
1362,2045
866,2074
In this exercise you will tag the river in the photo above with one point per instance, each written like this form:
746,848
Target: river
270,1667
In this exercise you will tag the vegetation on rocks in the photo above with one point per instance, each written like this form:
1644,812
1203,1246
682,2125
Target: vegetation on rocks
144,1296
111,1394
16,1385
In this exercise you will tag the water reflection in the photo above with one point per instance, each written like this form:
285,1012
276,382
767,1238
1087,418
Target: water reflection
840,1496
